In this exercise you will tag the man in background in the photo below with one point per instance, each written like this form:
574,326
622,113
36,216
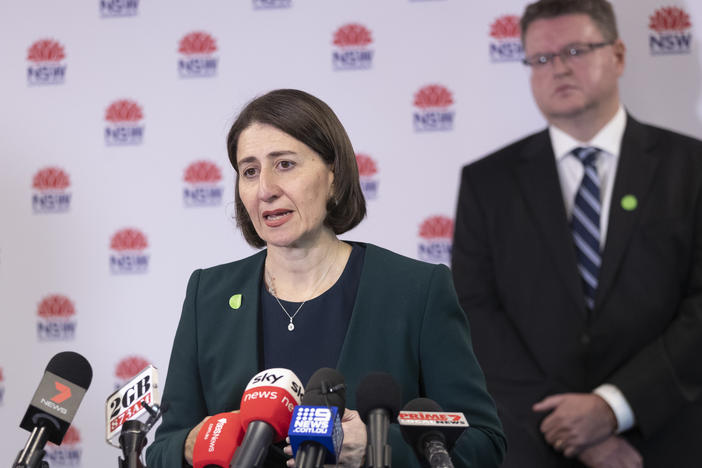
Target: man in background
578,259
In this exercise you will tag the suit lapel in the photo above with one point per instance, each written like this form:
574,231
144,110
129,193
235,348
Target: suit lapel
245,348
357,331
356,357
635,171
538,179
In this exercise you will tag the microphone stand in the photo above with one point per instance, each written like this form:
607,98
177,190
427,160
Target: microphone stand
378,451
132,440
32,455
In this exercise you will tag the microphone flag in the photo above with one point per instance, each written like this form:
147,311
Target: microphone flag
271,396
126,404
317,424
217,440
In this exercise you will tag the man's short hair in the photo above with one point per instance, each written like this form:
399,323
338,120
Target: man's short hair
311,121
600,11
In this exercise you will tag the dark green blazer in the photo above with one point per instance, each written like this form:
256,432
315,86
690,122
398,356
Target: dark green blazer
406,321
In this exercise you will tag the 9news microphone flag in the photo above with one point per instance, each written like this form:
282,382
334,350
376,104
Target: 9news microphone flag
315,431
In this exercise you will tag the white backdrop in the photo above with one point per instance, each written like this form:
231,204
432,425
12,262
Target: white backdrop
100,225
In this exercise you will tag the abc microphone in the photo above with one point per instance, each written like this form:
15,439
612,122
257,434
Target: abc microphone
266,409
315,431
217,441
430,431
55,403
378,399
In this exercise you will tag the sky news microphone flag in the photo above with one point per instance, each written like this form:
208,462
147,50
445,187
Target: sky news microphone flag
266,409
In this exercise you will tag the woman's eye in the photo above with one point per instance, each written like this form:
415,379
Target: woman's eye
249,172
286,164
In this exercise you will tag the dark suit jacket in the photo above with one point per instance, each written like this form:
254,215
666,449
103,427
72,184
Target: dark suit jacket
406,321
515,272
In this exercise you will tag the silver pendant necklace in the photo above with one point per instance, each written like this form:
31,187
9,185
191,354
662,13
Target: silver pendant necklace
271,289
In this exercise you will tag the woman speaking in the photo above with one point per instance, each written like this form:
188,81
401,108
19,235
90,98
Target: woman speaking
310,300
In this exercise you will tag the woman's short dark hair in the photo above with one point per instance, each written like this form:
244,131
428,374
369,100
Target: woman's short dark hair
599,11
311,121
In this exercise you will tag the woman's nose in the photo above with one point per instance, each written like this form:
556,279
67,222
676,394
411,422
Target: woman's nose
268,188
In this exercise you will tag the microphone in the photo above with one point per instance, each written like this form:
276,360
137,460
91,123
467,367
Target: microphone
127,403
430,431
125,412
53,406
132,439
378,399
217,441
266,409
315,430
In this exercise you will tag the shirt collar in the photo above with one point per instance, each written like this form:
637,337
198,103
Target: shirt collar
608,139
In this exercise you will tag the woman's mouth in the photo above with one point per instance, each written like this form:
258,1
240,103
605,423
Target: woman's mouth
276,217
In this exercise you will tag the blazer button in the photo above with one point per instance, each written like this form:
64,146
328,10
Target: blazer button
585,339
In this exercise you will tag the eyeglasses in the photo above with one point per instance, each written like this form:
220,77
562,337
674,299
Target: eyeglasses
574,51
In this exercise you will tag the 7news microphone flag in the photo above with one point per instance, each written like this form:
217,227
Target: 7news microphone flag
53,406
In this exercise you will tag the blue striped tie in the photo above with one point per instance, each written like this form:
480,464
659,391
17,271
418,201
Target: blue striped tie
586,224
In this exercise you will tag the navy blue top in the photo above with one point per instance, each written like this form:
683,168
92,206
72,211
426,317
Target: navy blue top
320,326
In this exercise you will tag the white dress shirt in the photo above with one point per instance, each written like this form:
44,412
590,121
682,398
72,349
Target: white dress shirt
570,173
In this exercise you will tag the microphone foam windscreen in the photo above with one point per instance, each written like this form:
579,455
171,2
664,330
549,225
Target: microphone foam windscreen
326,387
72,367
422,404
378,390
412,435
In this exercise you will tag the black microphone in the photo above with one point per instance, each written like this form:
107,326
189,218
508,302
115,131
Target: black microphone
430,431
325,388
378,399
53,406
133,439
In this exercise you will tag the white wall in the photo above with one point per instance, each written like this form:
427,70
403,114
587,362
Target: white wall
111,187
